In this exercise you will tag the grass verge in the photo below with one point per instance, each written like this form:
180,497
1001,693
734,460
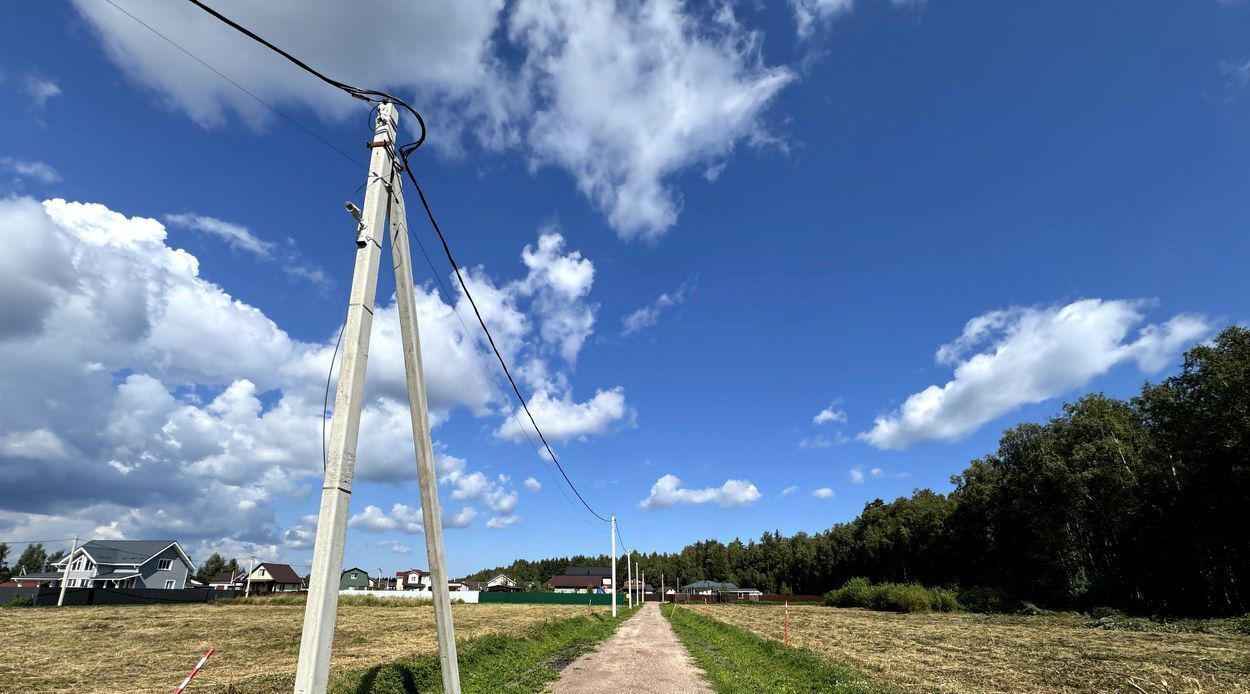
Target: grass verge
737,661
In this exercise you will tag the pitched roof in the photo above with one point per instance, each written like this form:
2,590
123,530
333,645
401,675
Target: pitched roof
710,585
282,573
567,581
127,551
226,577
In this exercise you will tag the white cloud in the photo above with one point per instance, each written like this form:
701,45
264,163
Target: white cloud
623,96
301,535
561,418
532,484
822,493
463,519
818,441
668,491
181,445
41,90
877,472
395,546
857,475
402,518
649,315
499,522
236,236
789,490
1028,355
828,415
35,170
808,14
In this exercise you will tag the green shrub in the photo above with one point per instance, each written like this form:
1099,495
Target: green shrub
1028,609
944,600
22,601
857,592
900,597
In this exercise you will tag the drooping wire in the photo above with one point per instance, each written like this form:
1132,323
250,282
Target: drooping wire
241,88
404,152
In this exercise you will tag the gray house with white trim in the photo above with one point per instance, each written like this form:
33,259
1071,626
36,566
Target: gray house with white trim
126,564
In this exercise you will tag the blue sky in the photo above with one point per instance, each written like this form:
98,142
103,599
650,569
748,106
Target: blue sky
927,220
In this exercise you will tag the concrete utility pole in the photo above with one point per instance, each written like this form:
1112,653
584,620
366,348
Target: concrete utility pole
60,601
629,578
613,565
382,195
247,585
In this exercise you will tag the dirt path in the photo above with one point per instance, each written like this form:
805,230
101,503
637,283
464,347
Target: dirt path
643,656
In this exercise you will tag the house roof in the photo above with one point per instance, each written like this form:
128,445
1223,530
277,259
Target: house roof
357,568
44,576
129,552
710,585
419,572
567,581
116,575
282,573
588,571
226,577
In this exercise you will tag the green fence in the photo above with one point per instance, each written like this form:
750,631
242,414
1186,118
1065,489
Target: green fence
551,598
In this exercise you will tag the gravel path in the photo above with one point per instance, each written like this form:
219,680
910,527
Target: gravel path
643,655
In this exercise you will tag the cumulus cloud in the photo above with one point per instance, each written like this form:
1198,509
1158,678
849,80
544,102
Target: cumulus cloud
822,493
402,518
830,414
463,519
170,408
34,170
561,418
1008,358
649,315
623,96
668,491
789,490
395,547
500,522
532,484
857,475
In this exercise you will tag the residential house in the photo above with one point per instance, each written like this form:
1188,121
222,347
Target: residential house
268,577
582,579
473,585
501,584
354,579
124,564
383,583
228,581
412,579
718,588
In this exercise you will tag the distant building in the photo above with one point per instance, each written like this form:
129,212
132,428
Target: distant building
718,588
412,579
269,577
354,579
121,564
582,579
501,584
228,581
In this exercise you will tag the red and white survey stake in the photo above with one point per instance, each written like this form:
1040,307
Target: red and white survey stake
787,643
182,687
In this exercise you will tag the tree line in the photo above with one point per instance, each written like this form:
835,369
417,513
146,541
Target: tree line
34,559
1141,504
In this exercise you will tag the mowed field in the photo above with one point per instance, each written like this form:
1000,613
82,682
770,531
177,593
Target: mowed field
150,648
954,652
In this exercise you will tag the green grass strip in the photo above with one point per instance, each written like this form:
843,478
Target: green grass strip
491,663
739,662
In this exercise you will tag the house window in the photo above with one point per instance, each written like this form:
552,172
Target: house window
169,585
353,576
165,564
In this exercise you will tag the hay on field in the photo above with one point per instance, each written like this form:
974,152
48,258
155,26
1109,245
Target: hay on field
962,653
150,648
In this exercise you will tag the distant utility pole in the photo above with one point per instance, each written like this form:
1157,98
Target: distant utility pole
65,574
613,565
383,196
247,585
629,578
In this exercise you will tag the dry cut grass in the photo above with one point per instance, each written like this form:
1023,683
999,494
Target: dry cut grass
150,648
981,653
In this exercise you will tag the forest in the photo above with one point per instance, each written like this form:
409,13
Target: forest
1139,505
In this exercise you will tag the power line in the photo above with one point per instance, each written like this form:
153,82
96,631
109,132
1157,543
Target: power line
404,152
34,542
241,88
